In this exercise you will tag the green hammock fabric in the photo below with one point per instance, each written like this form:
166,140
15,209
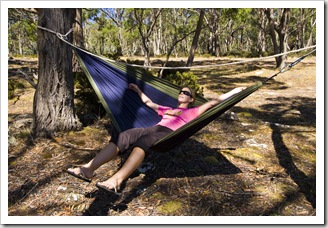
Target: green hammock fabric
110,79
195,125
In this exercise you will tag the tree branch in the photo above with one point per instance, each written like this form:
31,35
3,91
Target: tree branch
31,10
27,78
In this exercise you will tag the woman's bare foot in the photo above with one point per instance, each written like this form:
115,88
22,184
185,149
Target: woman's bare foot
82,173
110,185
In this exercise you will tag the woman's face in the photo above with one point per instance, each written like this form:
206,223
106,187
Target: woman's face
185,96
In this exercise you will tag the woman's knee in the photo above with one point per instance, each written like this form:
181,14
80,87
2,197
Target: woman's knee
139,153
120,141
113,146
138,150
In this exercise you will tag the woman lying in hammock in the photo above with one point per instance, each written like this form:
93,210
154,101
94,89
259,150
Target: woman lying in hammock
141,139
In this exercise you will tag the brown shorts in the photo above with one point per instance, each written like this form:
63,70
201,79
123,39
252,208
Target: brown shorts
140,137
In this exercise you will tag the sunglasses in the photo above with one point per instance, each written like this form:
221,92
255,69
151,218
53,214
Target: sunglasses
185,93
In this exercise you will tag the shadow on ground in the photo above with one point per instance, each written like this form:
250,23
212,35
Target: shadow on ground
183,161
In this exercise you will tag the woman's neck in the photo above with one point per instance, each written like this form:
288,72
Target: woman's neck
183,105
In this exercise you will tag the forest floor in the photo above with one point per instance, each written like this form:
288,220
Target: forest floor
258,160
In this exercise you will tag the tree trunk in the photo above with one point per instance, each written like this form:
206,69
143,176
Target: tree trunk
261,46
158,38
171,49
281,29
53,107
146,53
217,45
77,38
273,35
283,33
20,44
310,40
196,37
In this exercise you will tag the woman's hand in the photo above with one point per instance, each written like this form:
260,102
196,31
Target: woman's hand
231,92
237,90
210,104
134,87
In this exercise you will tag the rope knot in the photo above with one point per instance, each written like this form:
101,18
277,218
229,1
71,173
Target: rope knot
60,36
64,37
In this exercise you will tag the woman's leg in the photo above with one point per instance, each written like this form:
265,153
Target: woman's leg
141,146
106,154
132,163
120,142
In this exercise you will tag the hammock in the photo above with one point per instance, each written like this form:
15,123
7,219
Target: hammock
110,81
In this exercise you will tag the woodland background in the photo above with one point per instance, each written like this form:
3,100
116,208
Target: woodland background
246,32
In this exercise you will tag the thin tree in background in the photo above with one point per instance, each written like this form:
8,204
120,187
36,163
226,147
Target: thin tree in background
146,23
77,38
196,37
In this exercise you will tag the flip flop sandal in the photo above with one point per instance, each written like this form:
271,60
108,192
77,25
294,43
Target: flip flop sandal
80,176
110,190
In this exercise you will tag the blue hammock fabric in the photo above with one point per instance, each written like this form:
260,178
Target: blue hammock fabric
124,106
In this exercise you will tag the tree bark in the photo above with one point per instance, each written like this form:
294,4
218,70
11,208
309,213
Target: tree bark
77,38
53,107
196,37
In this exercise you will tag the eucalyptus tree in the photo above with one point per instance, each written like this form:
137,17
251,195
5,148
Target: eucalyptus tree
77,38
278,28
22,31
117,30
302,28
145,21
262,22
196,37
97,31
310,28
235,27
89,25
181,28
53,107
177,26
214,25
225,27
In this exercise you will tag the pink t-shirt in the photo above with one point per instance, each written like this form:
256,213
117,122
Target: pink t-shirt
174,118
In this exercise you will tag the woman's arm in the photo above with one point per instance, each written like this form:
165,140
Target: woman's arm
143,97
210,104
